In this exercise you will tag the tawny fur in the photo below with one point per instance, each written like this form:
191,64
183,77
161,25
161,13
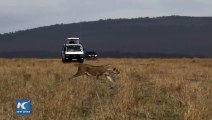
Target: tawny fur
106,70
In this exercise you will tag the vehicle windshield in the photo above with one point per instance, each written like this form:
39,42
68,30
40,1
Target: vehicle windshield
91,52
73,48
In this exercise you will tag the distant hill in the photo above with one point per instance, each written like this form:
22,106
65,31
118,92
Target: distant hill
172,36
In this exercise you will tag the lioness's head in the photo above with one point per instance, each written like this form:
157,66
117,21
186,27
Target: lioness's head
114,70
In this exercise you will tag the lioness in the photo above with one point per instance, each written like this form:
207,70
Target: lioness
85,69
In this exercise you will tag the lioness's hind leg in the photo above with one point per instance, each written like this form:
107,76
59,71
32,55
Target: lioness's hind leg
97,76
77,74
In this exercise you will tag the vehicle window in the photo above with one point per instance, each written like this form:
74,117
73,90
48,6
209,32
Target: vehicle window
73,48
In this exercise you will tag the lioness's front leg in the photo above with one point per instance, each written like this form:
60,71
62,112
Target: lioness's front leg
109,78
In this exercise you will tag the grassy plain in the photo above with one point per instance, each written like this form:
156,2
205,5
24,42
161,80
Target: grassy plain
146,89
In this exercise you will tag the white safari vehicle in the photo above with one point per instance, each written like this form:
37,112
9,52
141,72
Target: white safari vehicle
73,51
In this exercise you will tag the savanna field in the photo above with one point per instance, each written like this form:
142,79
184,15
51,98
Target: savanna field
159,89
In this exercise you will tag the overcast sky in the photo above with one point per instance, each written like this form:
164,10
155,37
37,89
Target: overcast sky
25,14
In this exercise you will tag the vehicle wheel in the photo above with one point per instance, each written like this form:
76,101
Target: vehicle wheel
64,60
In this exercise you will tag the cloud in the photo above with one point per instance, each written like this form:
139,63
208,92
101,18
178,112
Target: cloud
182,7
23,14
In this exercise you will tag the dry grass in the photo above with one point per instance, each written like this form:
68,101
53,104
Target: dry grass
145,89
